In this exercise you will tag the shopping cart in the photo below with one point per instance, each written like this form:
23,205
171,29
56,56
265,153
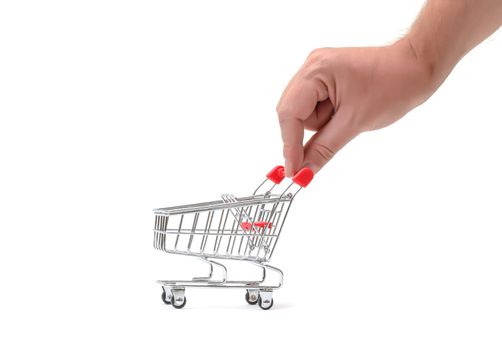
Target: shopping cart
244,228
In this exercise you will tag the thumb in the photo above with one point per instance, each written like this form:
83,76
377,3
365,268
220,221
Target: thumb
324,144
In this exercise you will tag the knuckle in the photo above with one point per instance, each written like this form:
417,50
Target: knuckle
290,150
318,62
288,147
285,152
283,112
316,54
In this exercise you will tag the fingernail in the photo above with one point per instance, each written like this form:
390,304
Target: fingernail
311,166
308,165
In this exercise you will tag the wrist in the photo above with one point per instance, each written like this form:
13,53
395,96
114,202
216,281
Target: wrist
423,70
434,65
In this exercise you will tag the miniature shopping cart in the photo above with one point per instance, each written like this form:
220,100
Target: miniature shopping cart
243,228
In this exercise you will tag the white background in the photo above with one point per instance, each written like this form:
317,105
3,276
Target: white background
111,108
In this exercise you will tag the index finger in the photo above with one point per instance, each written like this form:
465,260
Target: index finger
295,106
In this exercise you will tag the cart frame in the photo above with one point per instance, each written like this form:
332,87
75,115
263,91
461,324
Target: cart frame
245,229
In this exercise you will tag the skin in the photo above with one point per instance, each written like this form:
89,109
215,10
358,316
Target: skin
342,92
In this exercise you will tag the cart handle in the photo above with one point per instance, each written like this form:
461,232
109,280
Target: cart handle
303,177
277,174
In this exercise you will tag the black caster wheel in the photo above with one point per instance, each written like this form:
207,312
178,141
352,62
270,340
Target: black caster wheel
265,305
164,298
250,297
178,306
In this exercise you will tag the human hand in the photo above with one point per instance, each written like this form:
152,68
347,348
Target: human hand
341,92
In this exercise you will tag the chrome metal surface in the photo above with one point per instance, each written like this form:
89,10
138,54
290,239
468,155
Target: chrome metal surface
236,228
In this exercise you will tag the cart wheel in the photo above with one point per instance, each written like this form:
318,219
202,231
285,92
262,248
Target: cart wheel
165,299
252,298
265,304
177,305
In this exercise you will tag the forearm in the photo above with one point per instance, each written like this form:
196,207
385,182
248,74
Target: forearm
447,29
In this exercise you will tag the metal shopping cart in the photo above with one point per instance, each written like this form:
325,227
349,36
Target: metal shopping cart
244,228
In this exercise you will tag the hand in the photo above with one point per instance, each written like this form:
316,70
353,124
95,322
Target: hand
341,92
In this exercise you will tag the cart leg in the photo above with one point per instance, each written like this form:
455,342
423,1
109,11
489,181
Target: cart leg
266,267
211,269
209,279
252,296
178,299
265,300
166,295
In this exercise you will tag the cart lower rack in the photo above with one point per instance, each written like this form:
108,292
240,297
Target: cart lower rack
236,228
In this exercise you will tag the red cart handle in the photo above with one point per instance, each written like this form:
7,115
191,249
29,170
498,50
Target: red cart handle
303,177
277,174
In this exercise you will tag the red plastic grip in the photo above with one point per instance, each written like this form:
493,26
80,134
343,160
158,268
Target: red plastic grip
246,226
277,174
303,177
